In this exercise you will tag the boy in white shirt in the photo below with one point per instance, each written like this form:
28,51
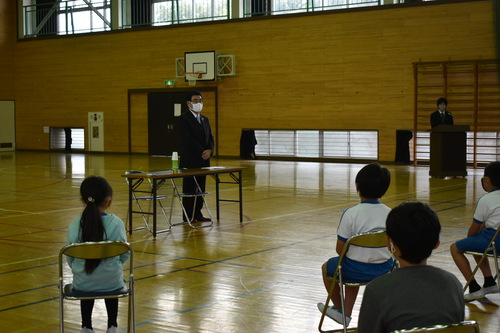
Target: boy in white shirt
483,227
360,264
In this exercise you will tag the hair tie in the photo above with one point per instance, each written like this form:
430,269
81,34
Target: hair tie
90,200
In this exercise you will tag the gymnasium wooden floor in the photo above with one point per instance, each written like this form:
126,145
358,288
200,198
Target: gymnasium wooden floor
259,276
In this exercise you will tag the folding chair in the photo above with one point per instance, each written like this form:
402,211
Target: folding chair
136,183
189,216
462,327
96,250
490,251
372,239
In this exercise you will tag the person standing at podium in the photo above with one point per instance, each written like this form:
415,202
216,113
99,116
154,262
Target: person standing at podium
197,146
441,116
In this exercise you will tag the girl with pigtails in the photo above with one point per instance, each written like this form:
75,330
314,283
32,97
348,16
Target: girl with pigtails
97,275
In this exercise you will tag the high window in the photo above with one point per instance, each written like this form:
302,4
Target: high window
66,17
62,17
189,11
84,16
301,6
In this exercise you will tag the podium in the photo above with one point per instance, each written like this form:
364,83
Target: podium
449,151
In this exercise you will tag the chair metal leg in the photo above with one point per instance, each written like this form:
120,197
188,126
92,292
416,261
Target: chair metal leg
149,197
336,280
328,298
163,212
495,257
61,306
342,301
185,214
131,309
179,197
469,280
327,302
204,202
144,218
487,253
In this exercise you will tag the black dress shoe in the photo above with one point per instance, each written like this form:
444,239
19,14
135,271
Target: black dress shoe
203,219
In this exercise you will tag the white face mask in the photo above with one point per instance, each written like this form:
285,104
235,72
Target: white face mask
442,107
197,107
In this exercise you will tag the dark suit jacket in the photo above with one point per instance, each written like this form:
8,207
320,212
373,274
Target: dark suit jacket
437,120
195,138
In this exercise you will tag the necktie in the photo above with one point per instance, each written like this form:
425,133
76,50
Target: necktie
199,118
442,116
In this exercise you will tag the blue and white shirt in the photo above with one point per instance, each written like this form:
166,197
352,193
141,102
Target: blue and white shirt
488,209
364,217
108,275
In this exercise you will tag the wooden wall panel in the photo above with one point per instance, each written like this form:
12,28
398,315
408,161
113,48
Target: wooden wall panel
339,70
139,122
8,23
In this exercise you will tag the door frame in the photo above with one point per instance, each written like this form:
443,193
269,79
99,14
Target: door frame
174,90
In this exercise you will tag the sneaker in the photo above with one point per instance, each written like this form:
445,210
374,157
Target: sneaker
334,314
87,330
112,329
475,295
491,289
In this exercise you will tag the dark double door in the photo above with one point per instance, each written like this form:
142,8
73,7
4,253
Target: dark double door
162,137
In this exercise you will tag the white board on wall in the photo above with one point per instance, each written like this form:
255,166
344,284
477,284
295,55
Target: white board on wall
96,131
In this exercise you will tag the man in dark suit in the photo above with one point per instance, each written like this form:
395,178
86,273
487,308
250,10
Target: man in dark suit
441,116
197,146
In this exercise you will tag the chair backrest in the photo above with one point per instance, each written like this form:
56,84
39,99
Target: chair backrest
95,250
372,239
494,237
462,327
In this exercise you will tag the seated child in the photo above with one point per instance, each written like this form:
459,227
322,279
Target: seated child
94,274
415,294
360,264
482,229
